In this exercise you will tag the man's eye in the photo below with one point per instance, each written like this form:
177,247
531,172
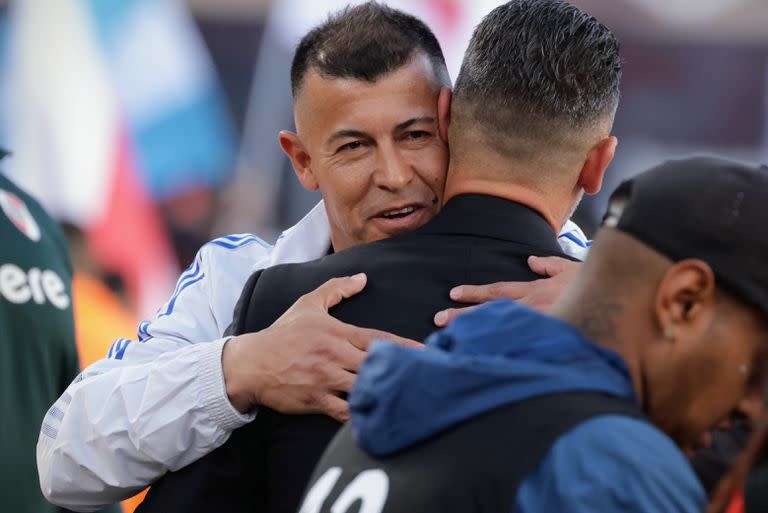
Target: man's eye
350,146
417,134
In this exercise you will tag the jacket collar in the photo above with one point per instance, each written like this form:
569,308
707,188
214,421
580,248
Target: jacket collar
307,240
498,218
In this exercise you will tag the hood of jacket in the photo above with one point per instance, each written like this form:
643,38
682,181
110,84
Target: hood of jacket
500,353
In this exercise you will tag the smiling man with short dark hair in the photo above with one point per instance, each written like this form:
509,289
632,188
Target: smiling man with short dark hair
372,148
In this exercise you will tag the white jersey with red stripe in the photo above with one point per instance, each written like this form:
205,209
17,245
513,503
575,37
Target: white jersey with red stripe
159,402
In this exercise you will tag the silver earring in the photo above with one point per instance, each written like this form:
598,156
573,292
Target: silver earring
743,369
669,331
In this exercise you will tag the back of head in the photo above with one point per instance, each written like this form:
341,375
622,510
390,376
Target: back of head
540,79
364,43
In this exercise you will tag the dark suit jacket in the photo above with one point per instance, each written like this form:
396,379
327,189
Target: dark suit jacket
265,466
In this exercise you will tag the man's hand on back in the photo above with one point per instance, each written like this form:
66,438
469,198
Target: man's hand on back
538,294
304,360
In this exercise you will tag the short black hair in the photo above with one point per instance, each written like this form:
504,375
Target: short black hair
365,42
534,62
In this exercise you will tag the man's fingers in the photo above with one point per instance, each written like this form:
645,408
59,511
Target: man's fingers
335,407
361,338
330,293
548,266
407,342
485,293
444,317
341,380
349,357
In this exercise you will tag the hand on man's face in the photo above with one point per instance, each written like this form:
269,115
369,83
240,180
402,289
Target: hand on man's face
302,362
538,294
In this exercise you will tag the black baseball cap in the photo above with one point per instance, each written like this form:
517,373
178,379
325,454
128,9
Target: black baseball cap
708,208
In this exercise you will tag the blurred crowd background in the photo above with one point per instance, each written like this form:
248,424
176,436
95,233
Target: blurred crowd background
150,126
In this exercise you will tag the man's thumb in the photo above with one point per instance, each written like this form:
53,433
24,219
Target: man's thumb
330,293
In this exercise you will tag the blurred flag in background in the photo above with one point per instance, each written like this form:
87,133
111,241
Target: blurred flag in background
110,105
168,89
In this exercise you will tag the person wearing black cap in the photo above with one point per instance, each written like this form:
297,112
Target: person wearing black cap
594,408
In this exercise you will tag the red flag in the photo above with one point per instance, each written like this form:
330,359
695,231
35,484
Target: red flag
129,238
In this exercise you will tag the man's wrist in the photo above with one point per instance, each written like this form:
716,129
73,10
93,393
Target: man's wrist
238,389
212,390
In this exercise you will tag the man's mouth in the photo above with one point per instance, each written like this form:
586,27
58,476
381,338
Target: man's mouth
395,214
402,219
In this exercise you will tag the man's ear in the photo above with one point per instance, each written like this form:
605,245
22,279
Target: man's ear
685,296
597,161
300,159
444,112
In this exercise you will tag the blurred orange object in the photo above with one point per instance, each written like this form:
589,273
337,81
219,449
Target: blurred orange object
100,318
129,505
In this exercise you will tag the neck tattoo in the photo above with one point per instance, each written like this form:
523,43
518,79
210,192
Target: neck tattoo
597,321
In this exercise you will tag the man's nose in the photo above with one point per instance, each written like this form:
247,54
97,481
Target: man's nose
393,172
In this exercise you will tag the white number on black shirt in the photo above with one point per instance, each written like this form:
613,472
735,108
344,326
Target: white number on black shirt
370,486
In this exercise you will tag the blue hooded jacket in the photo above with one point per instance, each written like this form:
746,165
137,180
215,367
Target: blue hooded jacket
504,352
